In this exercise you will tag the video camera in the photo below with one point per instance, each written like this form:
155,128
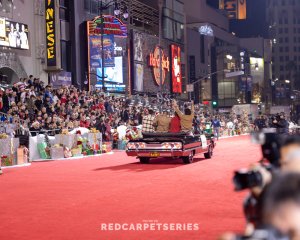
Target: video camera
270,143
264,234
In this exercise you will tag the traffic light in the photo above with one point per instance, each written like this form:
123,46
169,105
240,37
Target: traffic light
214,104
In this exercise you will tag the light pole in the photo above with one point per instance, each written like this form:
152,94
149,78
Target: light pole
160,5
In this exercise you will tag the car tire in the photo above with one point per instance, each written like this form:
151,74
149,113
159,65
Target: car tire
209,154
189,159
144,160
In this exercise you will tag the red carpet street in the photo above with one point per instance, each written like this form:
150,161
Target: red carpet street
93,198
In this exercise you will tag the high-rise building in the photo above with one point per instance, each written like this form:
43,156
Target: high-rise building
284,29
213,50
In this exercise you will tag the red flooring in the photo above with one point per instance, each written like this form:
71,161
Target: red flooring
71,199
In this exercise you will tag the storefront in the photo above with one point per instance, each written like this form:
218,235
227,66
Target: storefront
146,65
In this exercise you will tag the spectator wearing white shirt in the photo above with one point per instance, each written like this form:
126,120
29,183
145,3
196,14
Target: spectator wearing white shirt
122,131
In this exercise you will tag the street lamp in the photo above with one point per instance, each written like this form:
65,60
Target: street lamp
160,6
117,11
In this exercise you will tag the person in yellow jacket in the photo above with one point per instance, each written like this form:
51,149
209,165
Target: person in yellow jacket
186,119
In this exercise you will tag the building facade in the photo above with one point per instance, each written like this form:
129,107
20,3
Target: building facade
59,43
284,30
22,40
213,50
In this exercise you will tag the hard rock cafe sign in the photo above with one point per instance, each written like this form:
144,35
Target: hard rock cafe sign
154,62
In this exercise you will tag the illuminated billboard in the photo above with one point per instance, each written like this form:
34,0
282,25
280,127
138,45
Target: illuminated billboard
114,30
53,61
176,69
154,62
236,9
114,76
95,48
14,34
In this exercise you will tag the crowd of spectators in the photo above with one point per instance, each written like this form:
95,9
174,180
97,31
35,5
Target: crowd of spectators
32,105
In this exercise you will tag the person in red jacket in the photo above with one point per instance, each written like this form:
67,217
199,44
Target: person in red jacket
175,124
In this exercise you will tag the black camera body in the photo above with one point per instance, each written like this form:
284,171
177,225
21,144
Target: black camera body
264,234
271,143
247,179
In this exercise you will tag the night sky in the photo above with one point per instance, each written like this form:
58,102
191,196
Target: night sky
255,25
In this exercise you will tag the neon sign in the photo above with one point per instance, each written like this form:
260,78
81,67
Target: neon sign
50,33
111,26
154,62
176,69
206,30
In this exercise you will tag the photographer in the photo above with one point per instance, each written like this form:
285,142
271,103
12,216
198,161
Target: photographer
284,155
290,155
281,204
281,124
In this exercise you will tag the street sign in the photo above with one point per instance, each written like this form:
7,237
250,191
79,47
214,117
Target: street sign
190,87
234,74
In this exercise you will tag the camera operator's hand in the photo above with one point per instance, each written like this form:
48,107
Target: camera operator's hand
227,236
266,178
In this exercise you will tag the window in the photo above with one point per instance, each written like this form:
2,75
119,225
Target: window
173,20
281,68
91,6
168,28
227,90
64,10
66,55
